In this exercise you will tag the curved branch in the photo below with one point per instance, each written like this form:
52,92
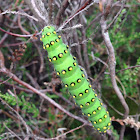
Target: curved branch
112,64
39,11
64,5
15,78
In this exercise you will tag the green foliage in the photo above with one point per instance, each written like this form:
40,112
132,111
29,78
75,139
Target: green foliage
124,36
129,79
26,106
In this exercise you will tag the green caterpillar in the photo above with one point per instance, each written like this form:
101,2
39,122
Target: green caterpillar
74,79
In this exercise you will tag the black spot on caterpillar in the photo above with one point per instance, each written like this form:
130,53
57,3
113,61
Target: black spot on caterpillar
74,79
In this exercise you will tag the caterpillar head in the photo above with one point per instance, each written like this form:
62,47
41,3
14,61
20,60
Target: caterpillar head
47,29
50,39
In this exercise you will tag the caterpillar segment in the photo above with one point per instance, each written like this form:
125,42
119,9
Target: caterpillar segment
74,79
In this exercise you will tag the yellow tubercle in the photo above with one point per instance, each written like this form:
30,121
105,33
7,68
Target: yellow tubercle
104,127
47,46
100,120
74,96
54,32
99,108
43,36
52,42
81,106
54,59
66,85
95,122
89,115
87,104
63,72
48,34
94,112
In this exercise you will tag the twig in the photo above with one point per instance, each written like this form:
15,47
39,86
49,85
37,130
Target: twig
122,6
112,65
127,68
51,8
14,44
41,57
28,129
85,52
34,83
17,87
20,26
98,59
112,107
72,130
6,35
64,5
12,132
77,13
18,35
38,9
15,78
78,47
18,13
73,27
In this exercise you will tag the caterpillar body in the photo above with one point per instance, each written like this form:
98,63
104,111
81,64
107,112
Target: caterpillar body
74,79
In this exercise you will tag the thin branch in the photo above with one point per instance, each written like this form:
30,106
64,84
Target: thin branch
18,35
127,68
63,7
85,7
18,13
122,6
72,130
51,10
112,65
98,59
39,11
11,131
15,78
28,129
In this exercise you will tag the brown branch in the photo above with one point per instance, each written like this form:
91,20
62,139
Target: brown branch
13,34
33,81
127,68
64,5
39,11
51,8
11,45
108,8
86,60
112,65
83,8
5,71
15,78
78,47
64,134
122,6
15,86
21,28
41,58
28,129
11,131
6,35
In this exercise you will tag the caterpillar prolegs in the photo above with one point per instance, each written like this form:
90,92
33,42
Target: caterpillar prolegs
74,79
